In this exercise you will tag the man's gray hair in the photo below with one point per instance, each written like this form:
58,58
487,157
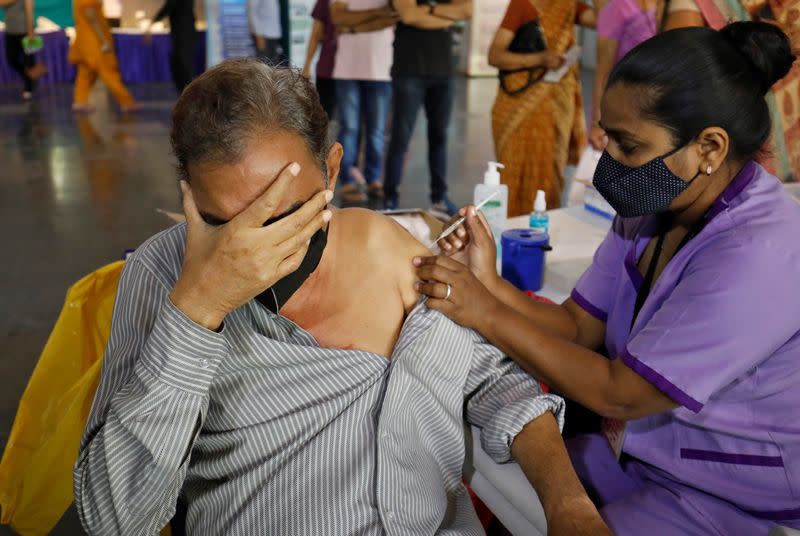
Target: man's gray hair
230,104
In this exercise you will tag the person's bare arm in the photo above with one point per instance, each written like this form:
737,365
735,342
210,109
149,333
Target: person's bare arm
460,10
344,17
502,58
606,52
92,15
540,452
418,16
29,20
683,19
607,387
317,32
375,25
588,18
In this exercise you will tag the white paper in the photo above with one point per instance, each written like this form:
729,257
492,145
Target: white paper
570,58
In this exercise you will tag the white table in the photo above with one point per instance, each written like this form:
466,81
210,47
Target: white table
575,234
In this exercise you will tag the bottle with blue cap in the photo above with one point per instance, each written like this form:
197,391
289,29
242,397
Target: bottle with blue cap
539,220
496,209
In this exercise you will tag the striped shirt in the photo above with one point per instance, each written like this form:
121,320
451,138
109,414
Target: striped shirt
262,431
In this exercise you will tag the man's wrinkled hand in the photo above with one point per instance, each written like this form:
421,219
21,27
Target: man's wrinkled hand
226,266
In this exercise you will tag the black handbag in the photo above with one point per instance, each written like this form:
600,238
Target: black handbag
528,39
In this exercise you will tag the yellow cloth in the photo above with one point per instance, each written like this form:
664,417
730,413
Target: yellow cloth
36,469
86,47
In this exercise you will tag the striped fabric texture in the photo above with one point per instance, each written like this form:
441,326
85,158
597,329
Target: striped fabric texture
261,431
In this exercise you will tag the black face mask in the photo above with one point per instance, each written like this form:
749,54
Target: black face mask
278,294
648,189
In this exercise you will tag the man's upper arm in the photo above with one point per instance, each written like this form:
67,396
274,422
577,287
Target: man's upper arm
501,398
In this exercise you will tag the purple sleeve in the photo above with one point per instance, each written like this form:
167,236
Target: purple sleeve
597,287
611,20
321,10
735,305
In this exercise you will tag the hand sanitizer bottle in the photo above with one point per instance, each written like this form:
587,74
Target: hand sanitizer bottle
539,219
496,210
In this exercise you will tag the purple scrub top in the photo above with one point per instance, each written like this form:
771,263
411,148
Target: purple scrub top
720,335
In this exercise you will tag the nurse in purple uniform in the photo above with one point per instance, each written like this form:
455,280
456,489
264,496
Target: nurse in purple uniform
695,294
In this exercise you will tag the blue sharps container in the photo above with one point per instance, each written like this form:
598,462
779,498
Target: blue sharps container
523,257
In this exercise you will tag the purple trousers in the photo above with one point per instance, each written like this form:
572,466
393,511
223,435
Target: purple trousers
635,498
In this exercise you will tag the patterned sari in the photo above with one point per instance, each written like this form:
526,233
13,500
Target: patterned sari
537,132
784,97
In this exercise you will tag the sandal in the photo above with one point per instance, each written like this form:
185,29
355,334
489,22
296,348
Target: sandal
375,190
352,194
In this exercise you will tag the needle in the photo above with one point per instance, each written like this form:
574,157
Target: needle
447,232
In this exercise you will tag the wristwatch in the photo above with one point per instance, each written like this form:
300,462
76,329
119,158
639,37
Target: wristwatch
431,6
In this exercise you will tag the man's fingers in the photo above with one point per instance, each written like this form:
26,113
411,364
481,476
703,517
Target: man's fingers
189,208
264,207
294,223
299,240
291,263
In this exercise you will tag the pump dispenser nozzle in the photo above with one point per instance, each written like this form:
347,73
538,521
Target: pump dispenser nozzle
492,176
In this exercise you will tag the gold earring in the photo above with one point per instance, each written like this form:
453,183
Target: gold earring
708,170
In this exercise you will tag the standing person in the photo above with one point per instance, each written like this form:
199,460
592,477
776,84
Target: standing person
363,84
621,25
265,25
182,33
422,75
693,293
323,33
783,158
19,24
537,130
93,53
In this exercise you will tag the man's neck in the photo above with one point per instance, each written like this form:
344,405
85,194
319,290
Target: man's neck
311,294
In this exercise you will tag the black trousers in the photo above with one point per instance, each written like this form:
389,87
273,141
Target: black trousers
182,57
326,89
18,60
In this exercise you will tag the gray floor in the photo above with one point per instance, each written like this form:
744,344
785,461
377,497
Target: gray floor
75,193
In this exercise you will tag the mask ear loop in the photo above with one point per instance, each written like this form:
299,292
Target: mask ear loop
274,297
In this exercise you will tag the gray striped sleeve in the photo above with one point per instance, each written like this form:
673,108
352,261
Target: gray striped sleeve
503,398
148,409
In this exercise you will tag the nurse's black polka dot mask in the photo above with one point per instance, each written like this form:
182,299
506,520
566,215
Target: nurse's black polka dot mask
647,189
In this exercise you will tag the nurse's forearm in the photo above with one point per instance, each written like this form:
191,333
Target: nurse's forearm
607,387
553,318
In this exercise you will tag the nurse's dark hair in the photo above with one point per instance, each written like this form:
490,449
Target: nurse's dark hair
241,99
695,78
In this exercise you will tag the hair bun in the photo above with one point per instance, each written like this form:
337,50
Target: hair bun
766,46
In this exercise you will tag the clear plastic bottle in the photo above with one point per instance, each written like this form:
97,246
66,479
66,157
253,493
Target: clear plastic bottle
496,210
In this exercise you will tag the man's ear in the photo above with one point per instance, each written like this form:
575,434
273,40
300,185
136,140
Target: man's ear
334,164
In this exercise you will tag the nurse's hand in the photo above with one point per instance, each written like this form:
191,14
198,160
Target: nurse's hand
454,290
472,244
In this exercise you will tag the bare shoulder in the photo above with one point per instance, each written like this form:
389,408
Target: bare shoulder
391,247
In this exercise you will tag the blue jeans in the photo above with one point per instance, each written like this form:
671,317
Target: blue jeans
410,93
370,98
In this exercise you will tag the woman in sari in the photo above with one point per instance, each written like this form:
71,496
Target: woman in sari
538,130
92,53
783,157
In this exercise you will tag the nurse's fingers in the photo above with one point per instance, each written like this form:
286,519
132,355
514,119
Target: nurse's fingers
438,260
434,290
434,272
479,229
